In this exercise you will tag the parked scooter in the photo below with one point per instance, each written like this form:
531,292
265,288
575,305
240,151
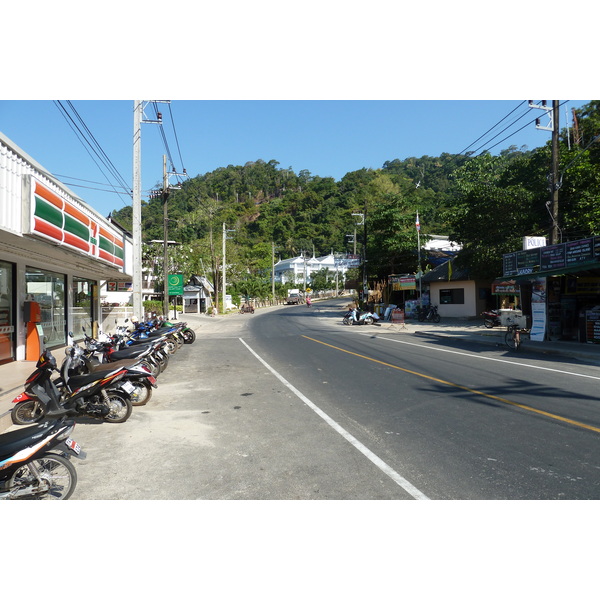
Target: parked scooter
144,332
96,395
188,334
110,349
356,317
491,318
138,381
34,462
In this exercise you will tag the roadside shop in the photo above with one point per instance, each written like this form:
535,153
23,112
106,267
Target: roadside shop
559,289
55,253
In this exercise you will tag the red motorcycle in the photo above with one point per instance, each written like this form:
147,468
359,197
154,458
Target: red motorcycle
491,318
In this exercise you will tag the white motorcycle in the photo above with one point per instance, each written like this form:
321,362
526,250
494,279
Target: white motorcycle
355,317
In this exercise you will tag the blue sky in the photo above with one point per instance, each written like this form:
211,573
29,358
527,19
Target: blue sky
326,137
323,85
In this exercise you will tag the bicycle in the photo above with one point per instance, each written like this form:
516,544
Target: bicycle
512,337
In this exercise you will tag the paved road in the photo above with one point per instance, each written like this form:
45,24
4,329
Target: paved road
289,404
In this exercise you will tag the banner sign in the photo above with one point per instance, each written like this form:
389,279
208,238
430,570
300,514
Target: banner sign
402,282
55,218
569,255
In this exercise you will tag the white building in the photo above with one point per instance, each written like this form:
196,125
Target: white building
296,271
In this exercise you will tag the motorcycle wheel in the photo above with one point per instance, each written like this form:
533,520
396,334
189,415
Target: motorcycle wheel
179,341
171,346
163,361
436,318
27,412
120,407
368,320
346,321
153,368
55,470
189,336
142,393
488,323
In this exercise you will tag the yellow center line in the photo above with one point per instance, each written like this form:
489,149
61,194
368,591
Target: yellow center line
462,387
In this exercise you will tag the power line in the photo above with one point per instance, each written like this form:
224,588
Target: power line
176,138
87,145
493,127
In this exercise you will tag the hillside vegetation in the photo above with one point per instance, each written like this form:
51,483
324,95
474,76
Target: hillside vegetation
486,202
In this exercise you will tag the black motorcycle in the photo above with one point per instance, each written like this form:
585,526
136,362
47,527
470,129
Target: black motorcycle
138,380
34,462
428,313
96,395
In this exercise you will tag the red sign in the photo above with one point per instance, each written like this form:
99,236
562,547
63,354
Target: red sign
397,315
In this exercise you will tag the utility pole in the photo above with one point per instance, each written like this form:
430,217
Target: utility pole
166,190
552,204
165,199
224,291
364,256
224,269
138,119
137,209
273,271
555,182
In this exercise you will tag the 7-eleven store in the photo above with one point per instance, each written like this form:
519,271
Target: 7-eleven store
55,254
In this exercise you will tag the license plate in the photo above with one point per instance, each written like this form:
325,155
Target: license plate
73,445
152,380
128,387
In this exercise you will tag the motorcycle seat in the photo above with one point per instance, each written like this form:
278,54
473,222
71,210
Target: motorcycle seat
13,441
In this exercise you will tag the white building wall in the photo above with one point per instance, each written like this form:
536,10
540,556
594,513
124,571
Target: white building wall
466,310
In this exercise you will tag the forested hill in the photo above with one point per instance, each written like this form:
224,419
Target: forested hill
267,204
485,202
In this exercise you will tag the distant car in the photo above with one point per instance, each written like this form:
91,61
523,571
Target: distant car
293,299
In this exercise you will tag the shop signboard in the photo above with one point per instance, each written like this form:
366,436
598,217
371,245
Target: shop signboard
510,264
61,221
592,326
578,253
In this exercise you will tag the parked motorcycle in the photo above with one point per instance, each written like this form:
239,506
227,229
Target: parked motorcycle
144,332
96,395
360,318
491,318
109,349
34,462
138,381
189,335
428,313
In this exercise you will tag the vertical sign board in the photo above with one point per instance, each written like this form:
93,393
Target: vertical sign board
592,326
175,282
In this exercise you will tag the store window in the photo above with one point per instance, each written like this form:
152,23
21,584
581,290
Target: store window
83,314
453,296
48,289
7,326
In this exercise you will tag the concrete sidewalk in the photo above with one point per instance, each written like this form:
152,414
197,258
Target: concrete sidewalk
13,375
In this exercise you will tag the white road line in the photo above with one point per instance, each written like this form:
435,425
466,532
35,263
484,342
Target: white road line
397,478
472,355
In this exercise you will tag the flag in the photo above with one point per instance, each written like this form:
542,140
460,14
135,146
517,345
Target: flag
417,224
